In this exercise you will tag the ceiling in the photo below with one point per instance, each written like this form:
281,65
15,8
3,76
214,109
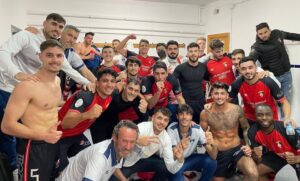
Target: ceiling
196,2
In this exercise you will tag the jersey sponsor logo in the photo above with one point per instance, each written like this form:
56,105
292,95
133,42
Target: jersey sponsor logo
79,103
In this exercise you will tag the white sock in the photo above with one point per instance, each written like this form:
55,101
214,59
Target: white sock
15,175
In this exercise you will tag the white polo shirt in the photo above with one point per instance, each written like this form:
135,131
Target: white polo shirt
164,148
96,163
20,53
197,138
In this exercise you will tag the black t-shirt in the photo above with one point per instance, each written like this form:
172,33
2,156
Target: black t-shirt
190,79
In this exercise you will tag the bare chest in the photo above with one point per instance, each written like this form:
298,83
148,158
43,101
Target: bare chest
46,96
222,121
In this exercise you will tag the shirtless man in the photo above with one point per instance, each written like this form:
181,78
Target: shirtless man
224,118
88,52
37,103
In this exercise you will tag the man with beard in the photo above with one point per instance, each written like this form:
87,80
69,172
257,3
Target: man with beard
99,161
190,75
146,61
223,119
270,51
19,60
88,52
153,139
219,67
127,104
256,91
282,149
172,60
80,111
35,119
237,55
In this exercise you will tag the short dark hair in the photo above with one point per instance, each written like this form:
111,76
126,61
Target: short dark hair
50,43
185,108
132,59
106,47
106,71
72,27
161,44
116,40
192,45
160,64
220,85
238,51
126,124
246,59
165,111
172,42
216,43
89,33
135,81
262,25
144,41
56,17
263,105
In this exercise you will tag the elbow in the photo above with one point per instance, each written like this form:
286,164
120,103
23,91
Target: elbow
65,125
5,128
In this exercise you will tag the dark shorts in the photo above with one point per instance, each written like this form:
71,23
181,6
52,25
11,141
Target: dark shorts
70,146
39,158
227,161
276,163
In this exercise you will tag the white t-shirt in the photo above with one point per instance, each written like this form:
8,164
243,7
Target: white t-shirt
20,53
164,148
197,138
120,59
97,163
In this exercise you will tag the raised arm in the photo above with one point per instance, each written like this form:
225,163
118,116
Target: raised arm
120,48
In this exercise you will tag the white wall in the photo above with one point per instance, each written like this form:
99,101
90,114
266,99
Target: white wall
12,12
239,17
157,22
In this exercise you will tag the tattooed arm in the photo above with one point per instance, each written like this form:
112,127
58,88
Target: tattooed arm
244,124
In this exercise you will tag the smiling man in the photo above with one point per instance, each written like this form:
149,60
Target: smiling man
98,162
80,111
254,90
37,103
282,148
224,119
153,139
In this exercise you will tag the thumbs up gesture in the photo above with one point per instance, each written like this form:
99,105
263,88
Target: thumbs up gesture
209,137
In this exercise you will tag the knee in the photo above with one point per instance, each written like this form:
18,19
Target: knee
252,173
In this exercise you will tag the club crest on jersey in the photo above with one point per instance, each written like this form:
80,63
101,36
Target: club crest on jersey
79,103
279,145
261,93
225,64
